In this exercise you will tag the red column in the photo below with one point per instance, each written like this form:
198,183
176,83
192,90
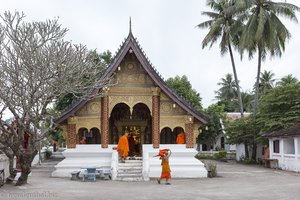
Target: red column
104,122
189,130
155,121
71,131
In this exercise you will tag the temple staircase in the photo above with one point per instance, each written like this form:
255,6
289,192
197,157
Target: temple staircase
131,170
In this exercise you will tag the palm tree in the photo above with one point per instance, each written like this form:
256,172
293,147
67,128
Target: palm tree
247,101
264,32
289,79
228,90
266,81
223,25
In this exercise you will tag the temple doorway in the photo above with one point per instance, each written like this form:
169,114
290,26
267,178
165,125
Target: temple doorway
137,122
91,136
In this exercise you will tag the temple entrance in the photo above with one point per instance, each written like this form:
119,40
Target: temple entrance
138,123
86,136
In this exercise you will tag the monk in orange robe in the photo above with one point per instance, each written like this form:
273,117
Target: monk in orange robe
166,171
123,147
83,140
180,138
131,143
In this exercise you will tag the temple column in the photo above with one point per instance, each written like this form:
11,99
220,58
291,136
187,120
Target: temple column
104,122
155,117
71,131
189,131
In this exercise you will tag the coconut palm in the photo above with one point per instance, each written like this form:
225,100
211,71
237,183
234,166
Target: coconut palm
288,79
247,101
224,26
265,33
266,81
228,89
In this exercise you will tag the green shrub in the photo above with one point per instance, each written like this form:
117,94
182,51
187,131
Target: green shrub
221,155
200,156
245,160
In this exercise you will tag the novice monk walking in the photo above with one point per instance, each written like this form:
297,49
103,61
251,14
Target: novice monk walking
166,171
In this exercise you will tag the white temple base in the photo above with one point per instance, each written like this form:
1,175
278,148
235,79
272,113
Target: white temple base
81,157
182,161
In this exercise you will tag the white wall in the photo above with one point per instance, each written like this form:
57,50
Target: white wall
288,156
240,151
4,164
297,147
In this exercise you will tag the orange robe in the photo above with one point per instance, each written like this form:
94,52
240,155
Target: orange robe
123,147
180,138
83,141
165,171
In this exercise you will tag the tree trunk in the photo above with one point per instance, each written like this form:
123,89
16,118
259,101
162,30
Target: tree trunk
25,160
254,148
257,84
54,146
246,150
236,81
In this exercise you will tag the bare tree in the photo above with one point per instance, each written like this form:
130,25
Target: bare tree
37,67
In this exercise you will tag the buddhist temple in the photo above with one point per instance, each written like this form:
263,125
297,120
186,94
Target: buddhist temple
140,102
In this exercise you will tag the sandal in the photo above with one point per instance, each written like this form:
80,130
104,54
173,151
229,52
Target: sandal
168,183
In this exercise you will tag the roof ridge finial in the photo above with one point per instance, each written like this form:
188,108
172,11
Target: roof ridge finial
130,25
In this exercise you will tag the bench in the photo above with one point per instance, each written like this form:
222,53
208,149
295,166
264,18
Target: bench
105,173
75,175
90,174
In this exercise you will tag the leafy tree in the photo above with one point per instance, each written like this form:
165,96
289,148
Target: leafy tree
243,131
101,61
229,106
183,87
288,79
280,108
264,32
209,133
37,67
106,57
225,25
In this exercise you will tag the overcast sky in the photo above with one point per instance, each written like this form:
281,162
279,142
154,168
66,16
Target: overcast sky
166,30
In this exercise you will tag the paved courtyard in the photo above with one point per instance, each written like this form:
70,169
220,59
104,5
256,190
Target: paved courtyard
234,181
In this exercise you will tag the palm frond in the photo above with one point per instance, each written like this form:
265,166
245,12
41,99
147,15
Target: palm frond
286,10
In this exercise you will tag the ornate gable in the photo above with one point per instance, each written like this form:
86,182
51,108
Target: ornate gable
132,67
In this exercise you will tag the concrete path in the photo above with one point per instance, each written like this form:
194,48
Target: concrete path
235,182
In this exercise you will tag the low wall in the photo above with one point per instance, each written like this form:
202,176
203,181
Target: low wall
229,155
288,162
